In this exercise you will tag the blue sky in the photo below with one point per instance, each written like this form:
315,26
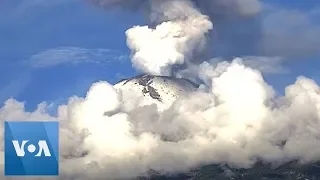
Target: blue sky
51,50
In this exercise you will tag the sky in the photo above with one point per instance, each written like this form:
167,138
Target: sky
51,50
57,52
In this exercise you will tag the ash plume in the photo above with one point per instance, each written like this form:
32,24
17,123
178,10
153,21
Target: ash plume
180,30
172,42
245,28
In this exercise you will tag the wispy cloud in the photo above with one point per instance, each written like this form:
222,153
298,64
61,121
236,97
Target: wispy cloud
291,33
267,65
15,87
74,56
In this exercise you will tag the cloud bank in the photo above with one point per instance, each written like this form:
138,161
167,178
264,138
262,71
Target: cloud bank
236,119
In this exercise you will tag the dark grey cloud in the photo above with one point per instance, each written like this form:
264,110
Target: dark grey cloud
275,31
291,33
250,27
211,7
125,4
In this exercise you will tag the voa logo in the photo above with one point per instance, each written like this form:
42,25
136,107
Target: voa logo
31,148
42,148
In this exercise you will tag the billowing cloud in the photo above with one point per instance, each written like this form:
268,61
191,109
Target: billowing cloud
172,42
236,119
201,73
179,30
184,31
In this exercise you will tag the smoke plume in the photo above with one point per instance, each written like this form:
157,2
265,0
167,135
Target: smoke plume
180,30
171,42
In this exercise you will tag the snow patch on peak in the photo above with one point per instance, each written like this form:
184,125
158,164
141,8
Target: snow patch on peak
150,89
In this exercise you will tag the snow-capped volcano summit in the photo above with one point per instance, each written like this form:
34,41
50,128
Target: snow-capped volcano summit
161,90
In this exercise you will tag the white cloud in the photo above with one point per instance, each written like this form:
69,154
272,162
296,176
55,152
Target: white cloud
266,65
237,120
74,55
